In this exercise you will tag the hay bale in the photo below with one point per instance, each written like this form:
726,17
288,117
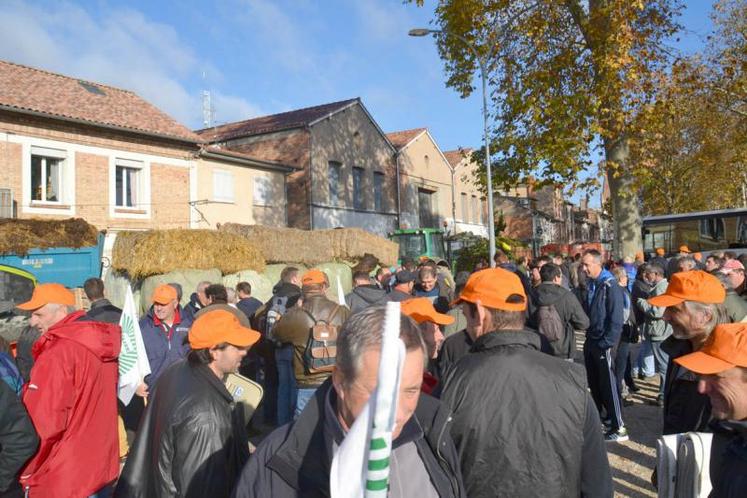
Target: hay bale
115,288
20,236
279,245
335,271
155,252
187,278
261,286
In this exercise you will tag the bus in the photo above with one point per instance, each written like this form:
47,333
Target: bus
699,231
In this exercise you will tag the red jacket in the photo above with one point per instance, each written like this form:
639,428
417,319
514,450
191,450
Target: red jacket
72,400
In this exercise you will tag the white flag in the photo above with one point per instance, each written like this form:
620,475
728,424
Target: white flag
360,466
133,361
340,293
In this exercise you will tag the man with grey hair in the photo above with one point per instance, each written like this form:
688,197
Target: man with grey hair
295,459
694,306
686,263
71,398
654,328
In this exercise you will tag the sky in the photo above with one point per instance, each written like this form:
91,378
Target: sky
259,57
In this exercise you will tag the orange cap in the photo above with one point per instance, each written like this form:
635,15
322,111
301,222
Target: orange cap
639,256
684,248
698,257
163,294
314,276
215,327
492,287
660,251
46,294
695,285
421,310
725,348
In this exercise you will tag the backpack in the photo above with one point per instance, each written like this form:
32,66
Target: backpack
278,307
549,323
320,354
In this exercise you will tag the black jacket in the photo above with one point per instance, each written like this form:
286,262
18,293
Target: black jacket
524,423
18,439
295,459
104,311
191,441
452,350
364,296
571,313
728,468
685,409
24,358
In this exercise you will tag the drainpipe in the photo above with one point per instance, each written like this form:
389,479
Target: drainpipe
399,200
453,198
310,180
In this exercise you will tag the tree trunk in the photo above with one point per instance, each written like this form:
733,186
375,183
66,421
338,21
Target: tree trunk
625,210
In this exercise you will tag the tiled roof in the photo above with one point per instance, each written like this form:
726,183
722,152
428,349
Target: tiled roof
275,122
27,89
457,156
401,138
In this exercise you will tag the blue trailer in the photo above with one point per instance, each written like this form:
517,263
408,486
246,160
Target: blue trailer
64,265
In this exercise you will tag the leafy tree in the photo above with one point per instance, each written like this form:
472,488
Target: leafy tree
691,142
564,77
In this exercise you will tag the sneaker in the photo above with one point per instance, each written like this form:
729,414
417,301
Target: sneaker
617,436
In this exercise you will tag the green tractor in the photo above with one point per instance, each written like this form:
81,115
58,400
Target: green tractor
417,242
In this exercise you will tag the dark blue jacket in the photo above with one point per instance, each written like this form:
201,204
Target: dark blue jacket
164,345
605,304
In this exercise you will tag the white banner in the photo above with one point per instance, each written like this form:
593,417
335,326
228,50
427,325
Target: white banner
133,360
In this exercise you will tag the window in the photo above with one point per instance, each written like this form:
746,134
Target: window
712,228
465,208
262,191
475,209
483,218
46,174
127,176
335,170
358,188
378,191
222,186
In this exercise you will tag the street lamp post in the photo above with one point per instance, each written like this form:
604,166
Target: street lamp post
481,63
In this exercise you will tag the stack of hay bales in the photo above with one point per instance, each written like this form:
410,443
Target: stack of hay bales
279,245
236,253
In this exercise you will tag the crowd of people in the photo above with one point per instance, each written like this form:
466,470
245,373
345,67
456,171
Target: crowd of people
494,399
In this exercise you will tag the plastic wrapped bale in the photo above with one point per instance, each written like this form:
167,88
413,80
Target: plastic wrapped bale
155,252
335,271
115,288
261,286
187,278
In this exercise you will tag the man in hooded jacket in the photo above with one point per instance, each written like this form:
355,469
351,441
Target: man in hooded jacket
71,398
364,294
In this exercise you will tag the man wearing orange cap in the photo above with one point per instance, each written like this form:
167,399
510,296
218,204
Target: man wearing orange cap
430,321
313,360
722,366
164,331
71,398
694,306
524,423
191,441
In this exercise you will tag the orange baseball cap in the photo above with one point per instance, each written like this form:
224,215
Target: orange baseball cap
421,310
46,294
660,251
314,276
492,287
215,327
163,294
725,348
698,257
684,248
695,285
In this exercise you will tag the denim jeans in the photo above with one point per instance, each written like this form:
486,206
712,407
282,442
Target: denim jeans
304,395
286,384
645,362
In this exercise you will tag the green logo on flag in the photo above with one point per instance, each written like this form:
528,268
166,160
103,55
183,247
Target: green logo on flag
128,353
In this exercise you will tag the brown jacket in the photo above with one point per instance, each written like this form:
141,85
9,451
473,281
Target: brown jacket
295,326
